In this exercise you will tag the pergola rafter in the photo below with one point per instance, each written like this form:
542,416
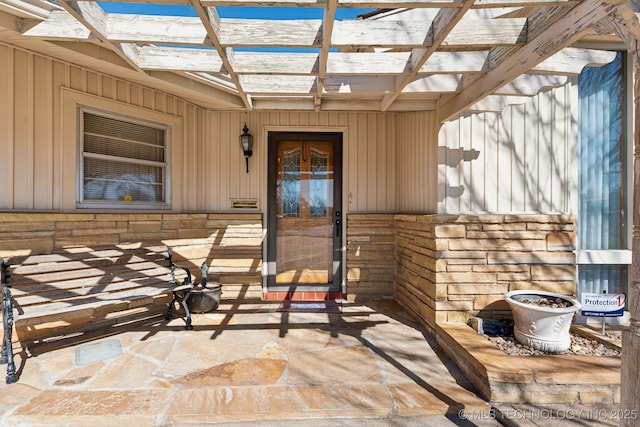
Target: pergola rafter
211,21
409,55
93,17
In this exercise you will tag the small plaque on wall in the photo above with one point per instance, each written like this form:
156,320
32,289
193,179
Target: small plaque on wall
244,204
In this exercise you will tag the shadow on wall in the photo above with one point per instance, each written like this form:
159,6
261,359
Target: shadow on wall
454,156
446,190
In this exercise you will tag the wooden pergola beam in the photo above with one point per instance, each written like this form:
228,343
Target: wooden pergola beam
561,33
94,18
327,31
442,25
211,22
628,13
465,49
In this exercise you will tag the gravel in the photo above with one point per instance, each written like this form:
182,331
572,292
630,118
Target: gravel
547,302
579,345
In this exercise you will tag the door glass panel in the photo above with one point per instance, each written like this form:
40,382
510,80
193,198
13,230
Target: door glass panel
304,225
290,185
319,195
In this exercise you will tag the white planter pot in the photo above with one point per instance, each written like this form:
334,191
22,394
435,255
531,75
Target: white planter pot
539,327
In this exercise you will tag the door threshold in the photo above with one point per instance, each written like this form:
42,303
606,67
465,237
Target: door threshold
302,295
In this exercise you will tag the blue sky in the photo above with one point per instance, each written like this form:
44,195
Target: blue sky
232,11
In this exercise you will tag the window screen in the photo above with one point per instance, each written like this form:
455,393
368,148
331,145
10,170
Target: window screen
123,162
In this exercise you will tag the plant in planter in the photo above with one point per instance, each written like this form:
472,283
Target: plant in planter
542,319
204,299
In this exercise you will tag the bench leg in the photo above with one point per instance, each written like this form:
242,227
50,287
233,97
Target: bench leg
5,324
183,301
170,309
6,354
186,310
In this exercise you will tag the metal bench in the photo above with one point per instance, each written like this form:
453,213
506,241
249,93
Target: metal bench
83,287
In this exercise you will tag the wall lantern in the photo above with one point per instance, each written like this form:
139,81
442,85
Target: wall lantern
246,143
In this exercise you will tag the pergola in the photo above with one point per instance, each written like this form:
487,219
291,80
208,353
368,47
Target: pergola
449,56
407,55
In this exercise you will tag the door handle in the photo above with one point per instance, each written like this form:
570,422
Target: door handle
338,224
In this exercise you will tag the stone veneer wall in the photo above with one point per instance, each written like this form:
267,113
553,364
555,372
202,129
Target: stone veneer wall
232,243
370,256
440,267
450,267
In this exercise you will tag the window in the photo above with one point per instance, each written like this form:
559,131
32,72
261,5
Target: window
603,245
123,162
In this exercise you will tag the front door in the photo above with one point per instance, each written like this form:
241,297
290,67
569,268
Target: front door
305,213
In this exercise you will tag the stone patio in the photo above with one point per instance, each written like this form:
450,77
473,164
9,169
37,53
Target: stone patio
250,364
245,363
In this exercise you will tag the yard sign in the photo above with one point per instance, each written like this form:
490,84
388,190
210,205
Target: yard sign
603,305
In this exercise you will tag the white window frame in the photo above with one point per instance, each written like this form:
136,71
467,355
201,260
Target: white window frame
620,256
122,204
617,256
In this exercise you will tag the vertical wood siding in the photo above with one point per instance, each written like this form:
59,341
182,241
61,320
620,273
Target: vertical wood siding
368,147
417,155
389,158
37,159
522,160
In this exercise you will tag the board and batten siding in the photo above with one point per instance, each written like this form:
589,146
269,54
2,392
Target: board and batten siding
38,143
38,125
369,146
522,160
417,186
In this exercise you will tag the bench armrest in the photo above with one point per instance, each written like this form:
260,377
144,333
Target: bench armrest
188,282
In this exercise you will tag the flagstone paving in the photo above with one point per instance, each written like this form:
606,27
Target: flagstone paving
247,363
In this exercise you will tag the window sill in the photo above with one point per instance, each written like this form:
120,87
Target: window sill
614,256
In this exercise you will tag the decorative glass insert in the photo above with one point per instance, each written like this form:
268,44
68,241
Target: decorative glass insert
123,162
319,183
291,183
